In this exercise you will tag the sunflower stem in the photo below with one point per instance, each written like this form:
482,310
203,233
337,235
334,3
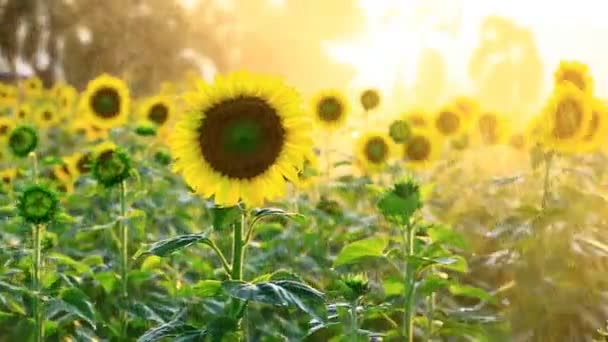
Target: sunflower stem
219,253
124,253
408,235
431,302
34,157
37,232
547,184
354,325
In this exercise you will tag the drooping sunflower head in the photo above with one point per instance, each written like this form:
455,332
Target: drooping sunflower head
399,130
417,118
567,117
32,87
111,165
22,140
241,138
330,109
370,99
422,149
106,101
373,151
46,114
37,204
157,109
576,73
449,122
491,129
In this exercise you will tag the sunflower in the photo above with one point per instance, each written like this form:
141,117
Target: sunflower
370,99
23,112
399,130
46,114
157,109
7,176
65,96
491,129
91,131
6,125
416,118
8,95
79,163
242,135
330,109
567,118
106,101
576,73
373,150
468,107
31,87
449,122
519,141
422,149
596,131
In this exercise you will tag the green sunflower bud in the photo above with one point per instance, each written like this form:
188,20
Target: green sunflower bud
401,202
162,158
22,140
399,131
145,130
370,99
111,167
37,204
355,286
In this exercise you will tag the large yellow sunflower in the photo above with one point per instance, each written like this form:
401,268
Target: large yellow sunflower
158,110
422,149
46,114
450,122
330,109
576,73
241,138
567,118
106,101
373,150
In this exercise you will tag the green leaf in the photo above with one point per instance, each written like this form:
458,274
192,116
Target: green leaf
165,247
150,263
107,280
261,213
356,251
224,217
173,328
471,291
8,211
279,293
393,287
431,283
206,288
79,300
63,259
444,235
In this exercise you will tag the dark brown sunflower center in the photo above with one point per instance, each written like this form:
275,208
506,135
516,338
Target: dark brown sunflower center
418,148
242,137
6,179
3,129
447,122
47,115
330,109
575,78
376,150
105,103
370,99
21,114
568,119
84,163
594,125
159,113
65,169
488,126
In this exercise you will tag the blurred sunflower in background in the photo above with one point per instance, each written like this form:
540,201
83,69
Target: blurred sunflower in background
158,110
519,141
23,112
105,102
8,95
567,117
31,87
89,130
370,99
6,125
372,151
449,122
241,138
576,73
399,131
596,131
330,109
79,163
65,96
491,129
417,118
7,176
422,149
46,114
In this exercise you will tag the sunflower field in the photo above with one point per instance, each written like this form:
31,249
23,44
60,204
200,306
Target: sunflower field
243,207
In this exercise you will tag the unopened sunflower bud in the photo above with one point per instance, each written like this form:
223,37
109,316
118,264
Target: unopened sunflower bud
22,140
37,204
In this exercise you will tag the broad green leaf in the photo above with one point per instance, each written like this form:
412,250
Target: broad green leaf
151,262
224,217
471,291
8,211
444,235
278,293
207,288
431,283
356,251
393,287
261,213
107,280
63,259
79,300
167,330
165,247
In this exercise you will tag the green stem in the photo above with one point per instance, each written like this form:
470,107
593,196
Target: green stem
431,301
37,282
34,159
238,247
548,162
408,278
124,253
219,253
354,326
